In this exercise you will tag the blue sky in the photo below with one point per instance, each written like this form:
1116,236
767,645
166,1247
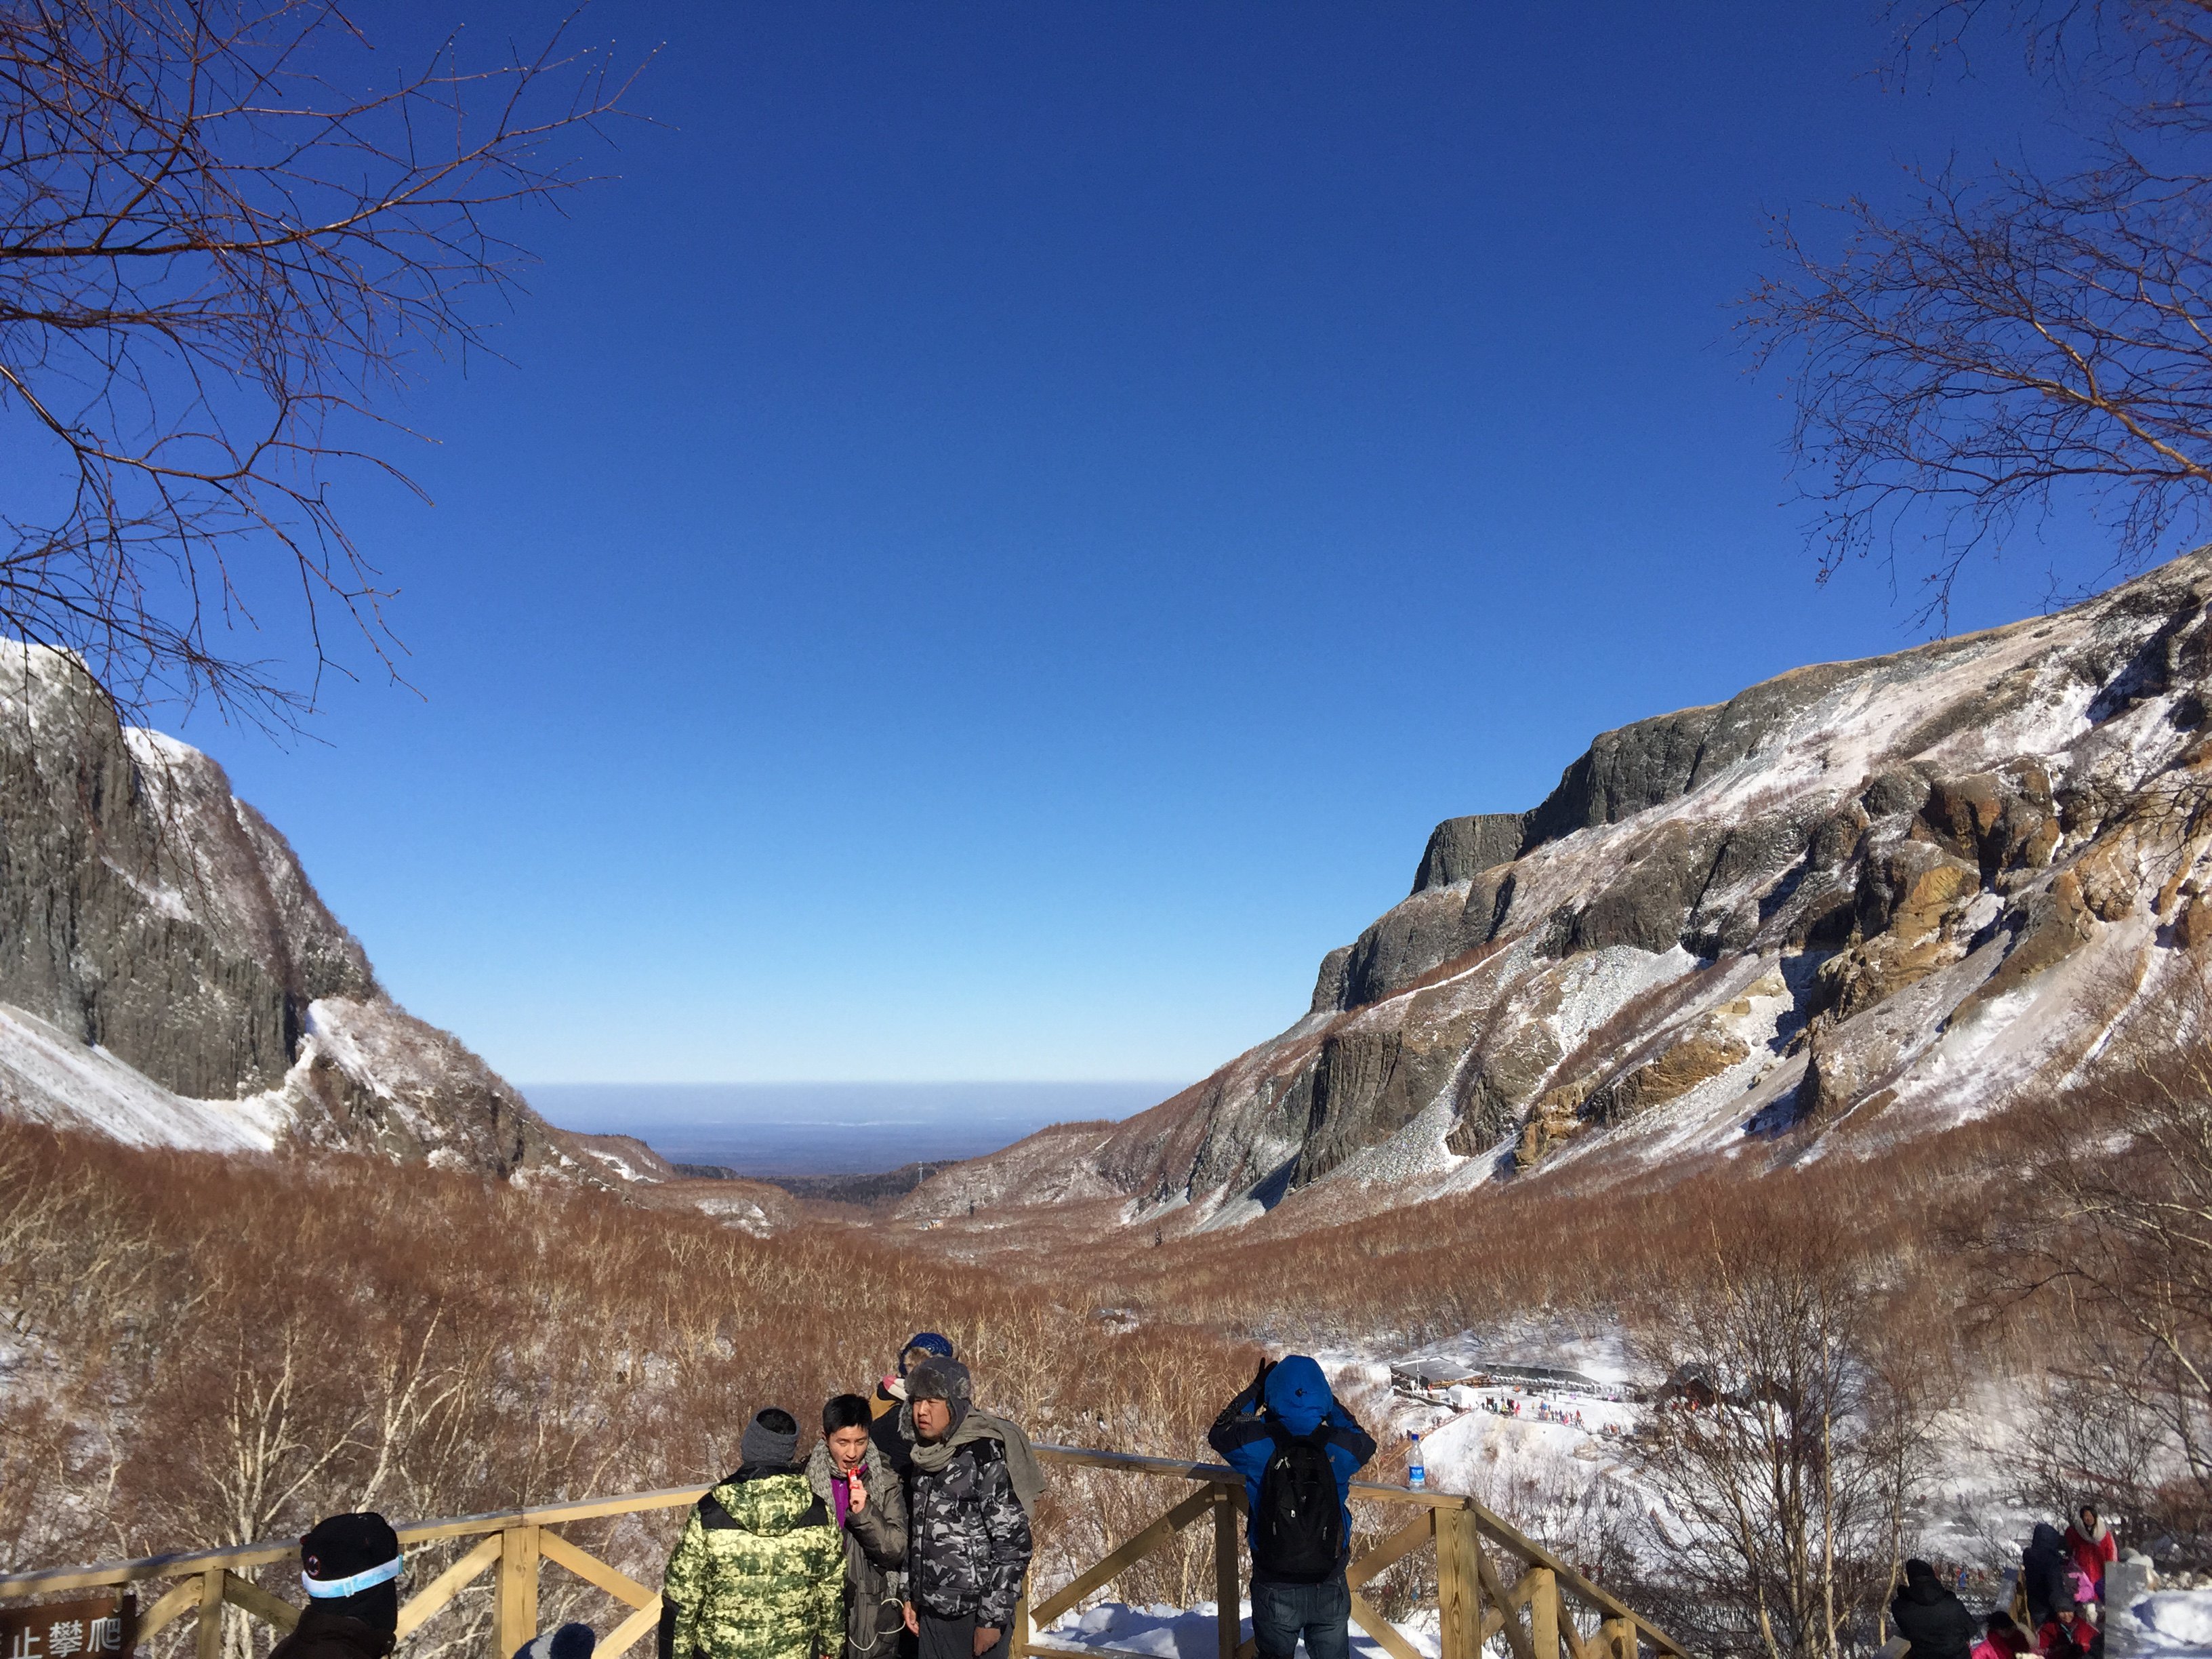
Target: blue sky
1003,528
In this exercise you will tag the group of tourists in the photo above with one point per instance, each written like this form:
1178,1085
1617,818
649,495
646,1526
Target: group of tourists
904,1527
904,1531
2054,1609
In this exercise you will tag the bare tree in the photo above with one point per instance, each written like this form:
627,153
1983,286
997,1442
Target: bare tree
2111,1248
2015,341
1788,1493
219,254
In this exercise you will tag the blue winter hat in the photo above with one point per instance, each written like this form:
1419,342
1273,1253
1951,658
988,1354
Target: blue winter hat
929,1342
1298,1394
569,1641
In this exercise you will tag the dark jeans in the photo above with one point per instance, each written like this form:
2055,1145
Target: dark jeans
1321,1612
955,1638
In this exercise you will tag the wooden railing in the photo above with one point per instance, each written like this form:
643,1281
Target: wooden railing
1491,1581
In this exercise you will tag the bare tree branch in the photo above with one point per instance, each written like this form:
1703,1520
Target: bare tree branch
2014,343
217,261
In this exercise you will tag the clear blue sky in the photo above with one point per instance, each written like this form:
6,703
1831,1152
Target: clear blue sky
1006,525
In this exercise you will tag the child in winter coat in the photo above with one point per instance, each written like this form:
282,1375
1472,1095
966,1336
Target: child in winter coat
2066,1635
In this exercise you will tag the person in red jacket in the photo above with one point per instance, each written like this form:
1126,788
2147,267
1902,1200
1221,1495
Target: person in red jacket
2065,1634
2089,1540
2001,1639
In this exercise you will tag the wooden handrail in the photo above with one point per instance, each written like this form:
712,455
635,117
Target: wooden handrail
514,1544
262,1554
1496,1526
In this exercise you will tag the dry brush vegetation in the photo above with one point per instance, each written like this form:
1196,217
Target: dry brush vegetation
198,1349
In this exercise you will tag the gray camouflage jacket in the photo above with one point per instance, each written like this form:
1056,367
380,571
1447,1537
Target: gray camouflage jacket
968,1537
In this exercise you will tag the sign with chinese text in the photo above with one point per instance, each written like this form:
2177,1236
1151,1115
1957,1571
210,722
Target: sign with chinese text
103,1628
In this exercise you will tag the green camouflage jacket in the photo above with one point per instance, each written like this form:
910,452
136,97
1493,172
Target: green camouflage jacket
759,1573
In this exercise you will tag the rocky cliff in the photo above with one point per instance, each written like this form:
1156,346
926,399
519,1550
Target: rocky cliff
1865,897
169,975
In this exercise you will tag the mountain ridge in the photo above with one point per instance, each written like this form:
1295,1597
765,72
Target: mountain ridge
1896,891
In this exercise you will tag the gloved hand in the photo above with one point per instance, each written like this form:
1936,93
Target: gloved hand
1259,1391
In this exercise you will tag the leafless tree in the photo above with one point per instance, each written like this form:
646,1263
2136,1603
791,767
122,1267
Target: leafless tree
2014,340
1787,1496
2111,1245
225,233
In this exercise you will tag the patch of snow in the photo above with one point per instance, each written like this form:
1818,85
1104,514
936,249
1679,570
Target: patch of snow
1193,1632
49,1077
2174,1623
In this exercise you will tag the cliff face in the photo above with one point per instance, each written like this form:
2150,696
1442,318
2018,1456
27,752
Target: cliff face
1911,888
169,976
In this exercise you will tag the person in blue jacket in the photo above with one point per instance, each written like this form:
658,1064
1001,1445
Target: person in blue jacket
1289,1419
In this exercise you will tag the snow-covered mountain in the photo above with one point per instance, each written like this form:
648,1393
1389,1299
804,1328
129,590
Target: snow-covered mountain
169,977
1863,898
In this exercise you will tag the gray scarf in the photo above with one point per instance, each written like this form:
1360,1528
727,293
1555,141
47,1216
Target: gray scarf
933,1457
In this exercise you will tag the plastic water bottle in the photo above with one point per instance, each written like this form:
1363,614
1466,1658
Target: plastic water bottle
1416,1476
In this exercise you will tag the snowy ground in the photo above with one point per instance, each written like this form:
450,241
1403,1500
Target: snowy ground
1176,1633
2175,1623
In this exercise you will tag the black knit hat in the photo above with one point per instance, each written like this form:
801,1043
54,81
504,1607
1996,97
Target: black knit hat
343,1548
771,1439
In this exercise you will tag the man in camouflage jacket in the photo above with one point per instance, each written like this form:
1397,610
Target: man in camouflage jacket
759,1572
971,1479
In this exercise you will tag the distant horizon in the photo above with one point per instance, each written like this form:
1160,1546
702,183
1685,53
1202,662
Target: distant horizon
834,1127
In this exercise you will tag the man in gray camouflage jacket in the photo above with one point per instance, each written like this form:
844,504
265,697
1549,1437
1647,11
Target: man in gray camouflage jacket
970,1482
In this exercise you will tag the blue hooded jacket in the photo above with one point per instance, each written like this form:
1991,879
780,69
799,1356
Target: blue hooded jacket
1296,1398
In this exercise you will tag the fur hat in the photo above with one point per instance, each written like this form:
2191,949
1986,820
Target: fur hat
940,1379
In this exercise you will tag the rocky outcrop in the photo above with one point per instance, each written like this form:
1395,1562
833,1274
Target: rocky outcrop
168,975
1901,889
141,907
1460,850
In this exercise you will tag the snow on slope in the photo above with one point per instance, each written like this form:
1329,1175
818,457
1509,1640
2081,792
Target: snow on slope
1858,902
169,975
49,1078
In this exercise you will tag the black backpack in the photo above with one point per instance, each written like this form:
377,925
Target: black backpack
1298,1532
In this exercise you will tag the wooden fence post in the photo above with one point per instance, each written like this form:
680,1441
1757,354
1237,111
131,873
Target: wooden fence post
210,1619
1226,1593
516,1621
1543,1612
1459,1590
1618,1637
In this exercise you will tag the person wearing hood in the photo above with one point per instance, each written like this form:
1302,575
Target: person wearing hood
920,1348
2001,1639
759,1571
1930,1617
1298,1449
893,1429
2045,1567
2089,1541
971,1480
850,1476
350,1567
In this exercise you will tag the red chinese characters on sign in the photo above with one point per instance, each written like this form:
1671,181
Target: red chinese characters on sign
105,1628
